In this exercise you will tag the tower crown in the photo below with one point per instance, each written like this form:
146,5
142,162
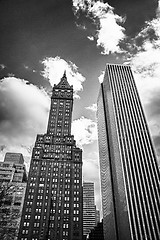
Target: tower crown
63,82
60,116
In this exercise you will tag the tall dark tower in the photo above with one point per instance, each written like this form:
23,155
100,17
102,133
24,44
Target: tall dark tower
130,179
53,202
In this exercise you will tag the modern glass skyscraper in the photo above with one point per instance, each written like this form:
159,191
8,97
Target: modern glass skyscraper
130,178
53,201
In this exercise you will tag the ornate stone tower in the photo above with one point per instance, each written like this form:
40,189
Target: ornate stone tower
53,202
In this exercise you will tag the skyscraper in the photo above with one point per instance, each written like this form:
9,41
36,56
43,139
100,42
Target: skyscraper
53,201
89,208
129,171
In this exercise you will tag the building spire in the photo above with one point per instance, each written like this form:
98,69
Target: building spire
63,82
64,74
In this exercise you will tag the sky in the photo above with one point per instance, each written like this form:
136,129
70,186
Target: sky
40,39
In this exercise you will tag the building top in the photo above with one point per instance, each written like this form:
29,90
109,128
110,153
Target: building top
14,157
117,64
63,83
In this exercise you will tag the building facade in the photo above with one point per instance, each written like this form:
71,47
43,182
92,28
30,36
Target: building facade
53,201
89,208
13,168
13,180
97,216
14,158
129,170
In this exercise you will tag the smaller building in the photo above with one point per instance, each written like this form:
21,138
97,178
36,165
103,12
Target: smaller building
13,168
13,179
89,208
14,158
97,232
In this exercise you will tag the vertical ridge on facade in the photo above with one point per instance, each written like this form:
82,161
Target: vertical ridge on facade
136,174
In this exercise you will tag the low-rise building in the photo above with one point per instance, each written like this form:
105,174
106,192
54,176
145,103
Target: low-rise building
13,179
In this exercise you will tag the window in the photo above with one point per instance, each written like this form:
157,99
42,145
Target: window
41,185
30,196
39,203
38,209
41,179
76,211
32,184
36,224
66,198
26,224
40,191
39,197
76,205
75,218
31,190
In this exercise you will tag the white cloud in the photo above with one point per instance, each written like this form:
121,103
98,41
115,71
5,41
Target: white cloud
146,63
24,113
92,108
101,77
109,32
26,67
54,69
91,38
84,131
2,66
79,5
81,26
29,68
146,67
10,75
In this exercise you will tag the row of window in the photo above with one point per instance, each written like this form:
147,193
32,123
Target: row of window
37,224
53,147
48,139
40,197
46,150
56,176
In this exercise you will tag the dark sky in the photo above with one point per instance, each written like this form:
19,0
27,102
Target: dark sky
32,30
136,12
